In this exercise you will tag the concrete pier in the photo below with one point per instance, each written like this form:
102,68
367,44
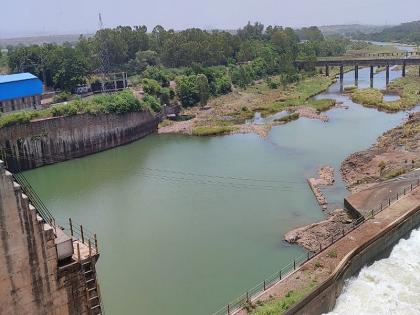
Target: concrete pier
356,75
371,76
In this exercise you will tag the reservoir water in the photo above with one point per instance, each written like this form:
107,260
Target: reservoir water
377,289
186,224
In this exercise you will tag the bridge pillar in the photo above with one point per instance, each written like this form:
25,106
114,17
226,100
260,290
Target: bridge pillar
356,75
403,70
341,73
327,70
387,74
371,76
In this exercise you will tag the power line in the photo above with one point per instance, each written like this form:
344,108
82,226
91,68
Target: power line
168,175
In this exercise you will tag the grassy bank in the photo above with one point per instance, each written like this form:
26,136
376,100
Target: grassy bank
279,306
118,103
407,88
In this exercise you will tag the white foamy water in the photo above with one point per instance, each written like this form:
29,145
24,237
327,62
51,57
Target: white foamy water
389,286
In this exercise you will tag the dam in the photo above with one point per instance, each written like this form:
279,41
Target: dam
396,295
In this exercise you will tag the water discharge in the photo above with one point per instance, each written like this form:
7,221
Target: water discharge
388,286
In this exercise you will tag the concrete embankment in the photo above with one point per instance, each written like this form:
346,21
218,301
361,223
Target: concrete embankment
322,278
375,239
37,143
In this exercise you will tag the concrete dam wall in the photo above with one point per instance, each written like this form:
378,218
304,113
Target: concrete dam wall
32,278
41,142
322,300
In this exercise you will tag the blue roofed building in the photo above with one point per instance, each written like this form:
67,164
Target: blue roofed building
19,91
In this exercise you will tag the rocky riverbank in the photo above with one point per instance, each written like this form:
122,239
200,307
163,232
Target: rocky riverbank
396,152
325,178
319,234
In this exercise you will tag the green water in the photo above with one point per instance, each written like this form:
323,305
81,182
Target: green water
183,243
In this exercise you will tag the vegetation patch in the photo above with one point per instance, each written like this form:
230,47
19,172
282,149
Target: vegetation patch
350,89
287,118
407,88
322,105
279,306
368,97
332,253
118,103
395,173
212,130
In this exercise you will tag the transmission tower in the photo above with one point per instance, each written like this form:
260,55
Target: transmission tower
103,54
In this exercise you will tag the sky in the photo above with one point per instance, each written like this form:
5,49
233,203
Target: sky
44,17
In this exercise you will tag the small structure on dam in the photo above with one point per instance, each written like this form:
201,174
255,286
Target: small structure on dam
380,195
44,268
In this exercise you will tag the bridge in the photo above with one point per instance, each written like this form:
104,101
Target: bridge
365,60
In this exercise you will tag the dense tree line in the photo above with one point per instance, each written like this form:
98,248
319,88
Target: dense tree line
403,33
203,63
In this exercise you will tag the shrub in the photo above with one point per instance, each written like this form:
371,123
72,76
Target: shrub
151,87
152,102
64,109
62,97
17,118
212,130
332,253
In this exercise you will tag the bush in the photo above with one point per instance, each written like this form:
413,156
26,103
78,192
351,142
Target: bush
273,84
64,110
151,87
17,118
187,90
332,253
62,97
152,102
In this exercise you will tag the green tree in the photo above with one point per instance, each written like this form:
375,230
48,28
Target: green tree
151,87
187,90
203,89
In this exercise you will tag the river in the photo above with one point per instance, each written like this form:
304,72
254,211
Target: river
377,289
186,224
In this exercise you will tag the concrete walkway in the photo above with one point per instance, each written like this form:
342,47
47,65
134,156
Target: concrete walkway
324,265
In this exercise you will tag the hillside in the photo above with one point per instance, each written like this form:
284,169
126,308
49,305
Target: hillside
38,40
347,30
404,33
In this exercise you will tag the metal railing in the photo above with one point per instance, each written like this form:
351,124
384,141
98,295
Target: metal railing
251,295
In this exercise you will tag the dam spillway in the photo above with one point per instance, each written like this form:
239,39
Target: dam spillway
378,290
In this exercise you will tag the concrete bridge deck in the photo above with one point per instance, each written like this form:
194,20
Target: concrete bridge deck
361,62
322,277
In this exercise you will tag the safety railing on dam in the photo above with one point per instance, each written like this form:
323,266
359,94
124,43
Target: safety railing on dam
246,299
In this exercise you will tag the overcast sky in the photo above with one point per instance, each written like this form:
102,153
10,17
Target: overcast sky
36,17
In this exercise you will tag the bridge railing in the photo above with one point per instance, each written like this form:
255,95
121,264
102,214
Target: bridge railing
246,299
